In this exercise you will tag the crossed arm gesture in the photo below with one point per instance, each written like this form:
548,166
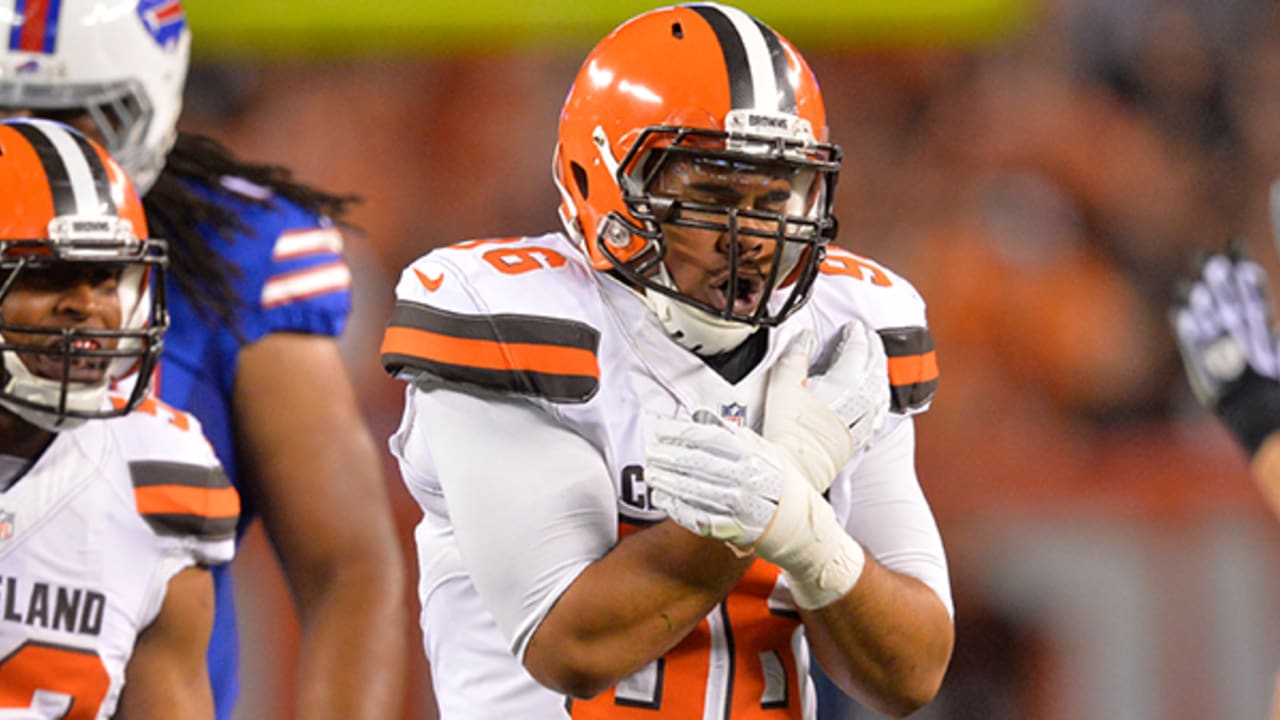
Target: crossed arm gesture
763,493
881,635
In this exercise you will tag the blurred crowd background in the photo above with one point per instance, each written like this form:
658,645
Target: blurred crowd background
1045,186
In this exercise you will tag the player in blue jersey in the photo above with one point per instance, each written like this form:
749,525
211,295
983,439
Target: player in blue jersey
259,292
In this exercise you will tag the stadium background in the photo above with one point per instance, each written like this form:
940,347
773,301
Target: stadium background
1041,170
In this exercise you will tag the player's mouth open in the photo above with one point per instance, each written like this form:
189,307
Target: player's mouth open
744,295
80,368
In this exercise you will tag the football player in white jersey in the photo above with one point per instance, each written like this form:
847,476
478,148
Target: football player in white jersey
666,458
111,506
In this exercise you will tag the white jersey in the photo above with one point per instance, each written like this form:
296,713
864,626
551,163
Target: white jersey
90,536
539,380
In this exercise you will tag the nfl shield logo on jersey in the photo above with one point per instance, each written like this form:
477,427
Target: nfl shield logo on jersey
734,413
6,525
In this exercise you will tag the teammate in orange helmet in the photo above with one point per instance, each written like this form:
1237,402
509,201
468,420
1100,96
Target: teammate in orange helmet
666,457
112,507
260,291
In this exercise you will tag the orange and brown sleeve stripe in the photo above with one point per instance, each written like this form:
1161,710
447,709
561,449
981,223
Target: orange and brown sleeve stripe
913,367
526,354
182,499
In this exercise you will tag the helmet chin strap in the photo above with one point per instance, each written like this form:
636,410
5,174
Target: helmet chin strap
21,383
696,330
41,418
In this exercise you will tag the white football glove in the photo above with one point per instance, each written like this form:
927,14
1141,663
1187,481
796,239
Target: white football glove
827,423
1224,324
1229,350
713,481
727,482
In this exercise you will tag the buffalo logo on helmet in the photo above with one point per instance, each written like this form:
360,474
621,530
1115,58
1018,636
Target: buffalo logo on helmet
164,19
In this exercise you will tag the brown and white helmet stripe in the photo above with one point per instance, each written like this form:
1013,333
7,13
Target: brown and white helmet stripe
754,59
77,176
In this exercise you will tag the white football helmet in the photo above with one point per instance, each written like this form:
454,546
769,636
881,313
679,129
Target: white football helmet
70,208
121,62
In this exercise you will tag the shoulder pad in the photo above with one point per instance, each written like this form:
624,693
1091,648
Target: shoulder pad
859,285
513,315
551,358
179,486
543,275
158,430
851,285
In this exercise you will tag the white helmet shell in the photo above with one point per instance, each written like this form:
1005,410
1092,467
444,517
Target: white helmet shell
123,62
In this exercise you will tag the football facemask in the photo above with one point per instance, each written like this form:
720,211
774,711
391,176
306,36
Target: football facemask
74,220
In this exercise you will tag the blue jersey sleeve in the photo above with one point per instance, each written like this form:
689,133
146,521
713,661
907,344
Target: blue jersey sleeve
293,277
290,277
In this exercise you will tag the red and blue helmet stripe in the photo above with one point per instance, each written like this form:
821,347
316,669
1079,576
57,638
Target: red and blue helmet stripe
35,26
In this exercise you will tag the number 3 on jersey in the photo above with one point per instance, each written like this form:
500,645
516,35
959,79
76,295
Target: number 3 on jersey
54,681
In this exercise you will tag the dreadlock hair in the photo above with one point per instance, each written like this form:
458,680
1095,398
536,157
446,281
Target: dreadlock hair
180,215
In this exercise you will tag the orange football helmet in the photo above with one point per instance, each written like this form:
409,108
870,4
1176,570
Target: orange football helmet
703,83
69,206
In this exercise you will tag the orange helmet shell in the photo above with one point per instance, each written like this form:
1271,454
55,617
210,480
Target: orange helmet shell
68,202
686,66
44,175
